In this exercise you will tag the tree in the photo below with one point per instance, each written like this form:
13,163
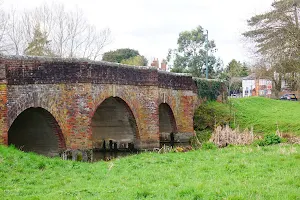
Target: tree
119,55
277,38
236,69
70,33
15,33
125,56
4,46
276,33
135,61
39,46
233,74
190,55
273,71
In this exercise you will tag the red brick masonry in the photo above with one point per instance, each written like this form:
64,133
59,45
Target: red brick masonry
71,90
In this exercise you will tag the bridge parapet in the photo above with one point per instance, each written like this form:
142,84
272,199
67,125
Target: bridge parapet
22,70
176,81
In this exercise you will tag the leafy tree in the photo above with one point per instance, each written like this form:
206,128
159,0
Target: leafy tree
119,55
237,69
276,33
39,46
190,55
277,38
233,73
136,61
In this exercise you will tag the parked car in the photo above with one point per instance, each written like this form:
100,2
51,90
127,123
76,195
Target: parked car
290,97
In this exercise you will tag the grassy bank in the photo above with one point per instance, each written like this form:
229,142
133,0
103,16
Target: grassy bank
231,173
266,114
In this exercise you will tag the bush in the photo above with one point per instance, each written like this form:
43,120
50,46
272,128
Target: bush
269,139
211,114
209,145
210,89
272,138
204,135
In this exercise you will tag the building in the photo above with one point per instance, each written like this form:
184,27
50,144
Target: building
253,86
162,66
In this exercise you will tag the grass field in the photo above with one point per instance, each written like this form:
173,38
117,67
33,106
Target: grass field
265,114
231,173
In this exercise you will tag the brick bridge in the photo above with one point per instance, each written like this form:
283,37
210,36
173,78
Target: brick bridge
48,105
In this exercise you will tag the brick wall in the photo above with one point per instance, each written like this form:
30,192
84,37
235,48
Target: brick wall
72,90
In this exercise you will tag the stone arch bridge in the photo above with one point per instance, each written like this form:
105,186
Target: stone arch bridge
48,105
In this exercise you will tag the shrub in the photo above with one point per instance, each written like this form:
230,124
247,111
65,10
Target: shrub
272,138
204,135
269,139
210,89
209,145
211,114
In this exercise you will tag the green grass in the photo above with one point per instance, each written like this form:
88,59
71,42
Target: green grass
265,114
231,173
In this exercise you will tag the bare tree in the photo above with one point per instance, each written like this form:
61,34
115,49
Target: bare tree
41,16
4,45
95,42
68,32
15,33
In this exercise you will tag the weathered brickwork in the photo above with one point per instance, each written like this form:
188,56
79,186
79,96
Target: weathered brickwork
72,90
3,113
182,103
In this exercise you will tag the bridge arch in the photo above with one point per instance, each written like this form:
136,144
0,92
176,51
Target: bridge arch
167,122
35,129
114,125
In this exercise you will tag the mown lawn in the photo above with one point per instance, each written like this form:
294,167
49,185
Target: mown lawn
265,115
231,173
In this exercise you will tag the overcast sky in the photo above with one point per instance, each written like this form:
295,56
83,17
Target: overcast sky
153,26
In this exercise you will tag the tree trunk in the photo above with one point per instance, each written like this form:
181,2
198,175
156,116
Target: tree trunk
277,85
296,15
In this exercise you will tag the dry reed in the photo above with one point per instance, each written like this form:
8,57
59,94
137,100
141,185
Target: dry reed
223,136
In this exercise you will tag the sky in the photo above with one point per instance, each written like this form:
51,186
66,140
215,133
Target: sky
153,26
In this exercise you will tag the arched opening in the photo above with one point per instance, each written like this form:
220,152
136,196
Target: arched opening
167,124
114,126
36,130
